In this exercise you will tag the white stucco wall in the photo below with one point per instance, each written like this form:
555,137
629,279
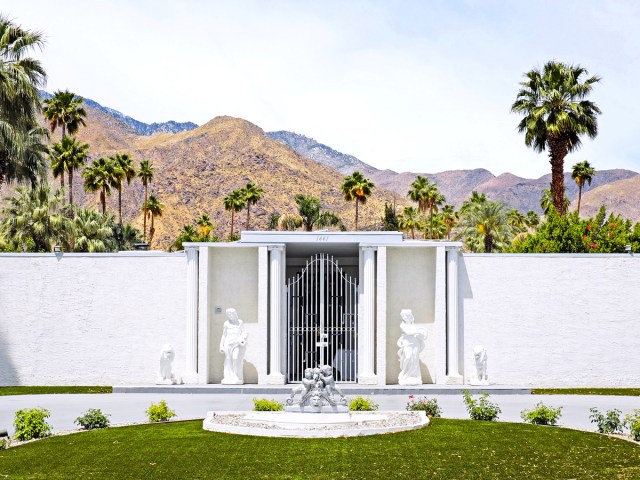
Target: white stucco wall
553,320
89,319
410,284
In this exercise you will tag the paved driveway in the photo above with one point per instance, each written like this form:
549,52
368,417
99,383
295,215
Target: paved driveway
130,407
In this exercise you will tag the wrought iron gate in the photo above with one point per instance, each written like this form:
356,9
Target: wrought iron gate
322,319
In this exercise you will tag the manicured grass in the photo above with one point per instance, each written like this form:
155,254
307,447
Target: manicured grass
634,392
48,390
449,449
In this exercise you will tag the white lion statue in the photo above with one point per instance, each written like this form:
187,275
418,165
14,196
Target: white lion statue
480,360
165,375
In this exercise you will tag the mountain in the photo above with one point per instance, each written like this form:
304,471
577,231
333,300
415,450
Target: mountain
516,192
621,197
310,148
141,128
196,169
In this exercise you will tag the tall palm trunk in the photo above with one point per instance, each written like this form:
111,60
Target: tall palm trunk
248,212
71,186
152,230
62,172
356,214
557,152
120,202
103,200
431,222
231,237
144,213
579,195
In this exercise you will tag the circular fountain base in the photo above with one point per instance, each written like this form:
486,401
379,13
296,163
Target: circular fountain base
297,424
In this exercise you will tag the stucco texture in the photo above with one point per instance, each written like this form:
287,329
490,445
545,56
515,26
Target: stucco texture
89,319
555,321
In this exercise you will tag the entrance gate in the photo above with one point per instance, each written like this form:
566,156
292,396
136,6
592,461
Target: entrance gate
322,320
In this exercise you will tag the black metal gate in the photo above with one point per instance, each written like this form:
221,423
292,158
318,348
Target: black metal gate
322,320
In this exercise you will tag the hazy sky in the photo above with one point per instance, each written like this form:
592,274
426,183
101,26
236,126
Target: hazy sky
408,85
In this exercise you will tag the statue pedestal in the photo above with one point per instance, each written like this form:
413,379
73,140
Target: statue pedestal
318,409
275,379
454,380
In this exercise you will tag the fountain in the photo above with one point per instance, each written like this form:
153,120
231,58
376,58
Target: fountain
320,411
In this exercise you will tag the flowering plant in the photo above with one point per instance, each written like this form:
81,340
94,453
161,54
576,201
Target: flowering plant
424,404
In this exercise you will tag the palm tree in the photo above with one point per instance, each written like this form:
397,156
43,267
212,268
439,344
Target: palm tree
556,114
187,234
204,226
428,197
146,176
234,202
91,231
409,219
124,170
532,219
546,201
309,210
473,200
252,195
33,219
487,224
22,139
357,187
582,172
100,175
516,219
68,155
155,209
449,218
64,110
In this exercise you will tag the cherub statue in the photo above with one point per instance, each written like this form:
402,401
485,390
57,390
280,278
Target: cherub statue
305,387
326,374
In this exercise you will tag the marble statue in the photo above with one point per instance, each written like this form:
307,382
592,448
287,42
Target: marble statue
410,344
165,375
233,344
317,390
480,360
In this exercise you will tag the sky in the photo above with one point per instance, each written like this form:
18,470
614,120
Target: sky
421,86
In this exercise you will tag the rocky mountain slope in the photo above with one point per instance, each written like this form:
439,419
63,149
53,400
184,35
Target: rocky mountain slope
196,169
141,128
516,192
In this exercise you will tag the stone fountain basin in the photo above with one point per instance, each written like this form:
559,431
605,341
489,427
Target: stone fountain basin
313,425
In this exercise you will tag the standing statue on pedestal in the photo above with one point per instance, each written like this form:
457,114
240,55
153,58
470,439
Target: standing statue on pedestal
410,344
233,344
480,361
165,373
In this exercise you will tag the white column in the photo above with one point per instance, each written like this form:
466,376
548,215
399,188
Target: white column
453,347
366,335
276,282
191,347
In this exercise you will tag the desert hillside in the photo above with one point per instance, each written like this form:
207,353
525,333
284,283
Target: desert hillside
196,169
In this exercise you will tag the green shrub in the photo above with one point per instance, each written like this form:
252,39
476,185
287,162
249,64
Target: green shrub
93,418
424,404
607,423
160,412
266,405
633,422
5,443
542,415
32,423
482,408
361,404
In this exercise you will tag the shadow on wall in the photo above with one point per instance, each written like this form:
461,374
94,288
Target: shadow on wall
250,372
8,374
464,292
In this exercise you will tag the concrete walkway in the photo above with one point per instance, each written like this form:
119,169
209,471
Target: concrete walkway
130,407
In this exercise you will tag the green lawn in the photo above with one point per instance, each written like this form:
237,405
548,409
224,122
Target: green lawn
47,390
449,449
634,392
